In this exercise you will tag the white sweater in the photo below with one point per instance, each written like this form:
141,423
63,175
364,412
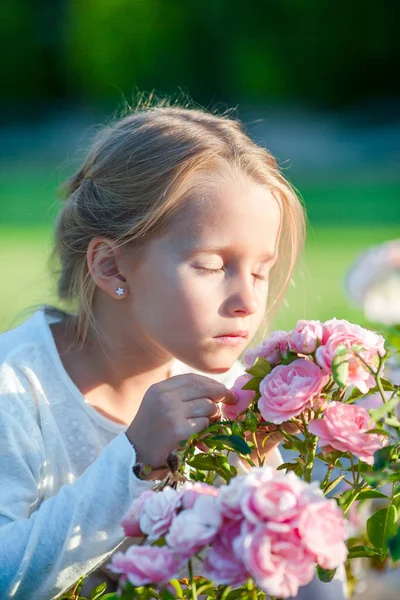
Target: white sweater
65,470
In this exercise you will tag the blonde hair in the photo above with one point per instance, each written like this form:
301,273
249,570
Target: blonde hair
138,171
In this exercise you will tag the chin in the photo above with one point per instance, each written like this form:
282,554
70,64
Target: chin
217,370
213,366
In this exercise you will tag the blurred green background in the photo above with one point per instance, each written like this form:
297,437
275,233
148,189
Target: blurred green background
315,82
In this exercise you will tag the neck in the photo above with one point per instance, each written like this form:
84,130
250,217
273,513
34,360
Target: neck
113,368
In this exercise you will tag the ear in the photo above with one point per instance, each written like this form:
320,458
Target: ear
104,260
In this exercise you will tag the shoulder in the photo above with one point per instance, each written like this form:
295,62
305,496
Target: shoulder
22,351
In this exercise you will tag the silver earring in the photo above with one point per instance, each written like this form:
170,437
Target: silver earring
120,291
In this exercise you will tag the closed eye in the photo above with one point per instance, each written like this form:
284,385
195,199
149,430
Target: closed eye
215,271
210,270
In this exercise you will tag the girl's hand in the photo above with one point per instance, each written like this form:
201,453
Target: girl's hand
173,410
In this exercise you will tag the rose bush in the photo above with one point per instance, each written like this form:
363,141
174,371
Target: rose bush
269,531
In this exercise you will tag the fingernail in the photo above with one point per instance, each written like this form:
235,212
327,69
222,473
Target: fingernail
234,394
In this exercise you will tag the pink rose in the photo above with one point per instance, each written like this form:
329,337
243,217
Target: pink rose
229,497
276,499
343,428
190,492
271,349
131,521
322,530
142,565
245,398
279,564
290,389
194,528
342,333
158,512
305,337
221,564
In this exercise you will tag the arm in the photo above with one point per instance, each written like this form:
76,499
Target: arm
45,552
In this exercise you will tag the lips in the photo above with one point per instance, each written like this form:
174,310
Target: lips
241,333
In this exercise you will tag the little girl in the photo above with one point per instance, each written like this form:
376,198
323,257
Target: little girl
177,236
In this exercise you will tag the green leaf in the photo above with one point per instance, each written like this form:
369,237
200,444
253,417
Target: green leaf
369,494
251,421
379,431
238,428
261,368
236,443
288,466
325,575
207,462
112,596
291,356
253,384
382,526
340,370
379,413
394,546
331,486
177,587
355,395
392,422
347,497
98,590
382,457
166,595
363,551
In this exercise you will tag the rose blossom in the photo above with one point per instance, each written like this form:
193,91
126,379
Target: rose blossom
343,428
221,564
271,349
276,499
194,528
305,337
289,389
131,521
158,512
229,497
321,528
190,492
245,398
278,564
142,565
342,333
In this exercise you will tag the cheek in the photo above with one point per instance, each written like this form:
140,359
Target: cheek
195,298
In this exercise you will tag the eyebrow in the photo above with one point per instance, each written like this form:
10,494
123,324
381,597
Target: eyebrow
218,249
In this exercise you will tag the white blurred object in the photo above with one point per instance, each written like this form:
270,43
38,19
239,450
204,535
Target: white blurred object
373,282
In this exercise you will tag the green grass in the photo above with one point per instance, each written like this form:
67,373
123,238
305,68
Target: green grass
348,215
28,196
317,294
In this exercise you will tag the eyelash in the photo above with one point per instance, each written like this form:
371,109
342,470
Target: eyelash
215,271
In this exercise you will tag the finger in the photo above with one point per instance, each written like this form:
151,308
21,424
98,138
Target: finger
198,386
198,425
217,416
201,407
215,391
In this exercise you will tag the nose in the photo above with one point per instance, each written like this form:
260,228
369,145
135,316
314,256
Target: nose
242,299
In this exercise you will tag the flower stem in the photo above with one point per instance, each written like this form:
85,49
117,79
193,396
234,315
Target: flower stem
310,459
328,475
259,458
192,581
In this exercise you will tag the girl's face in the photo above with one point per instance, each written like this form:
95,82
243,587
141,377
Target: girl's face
199,291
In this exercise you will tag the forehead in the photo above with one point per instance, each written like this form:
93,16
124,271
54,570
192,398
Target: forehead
237,212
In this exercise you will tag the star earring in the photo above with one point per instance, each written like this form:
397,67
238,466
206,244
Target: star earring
120,291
